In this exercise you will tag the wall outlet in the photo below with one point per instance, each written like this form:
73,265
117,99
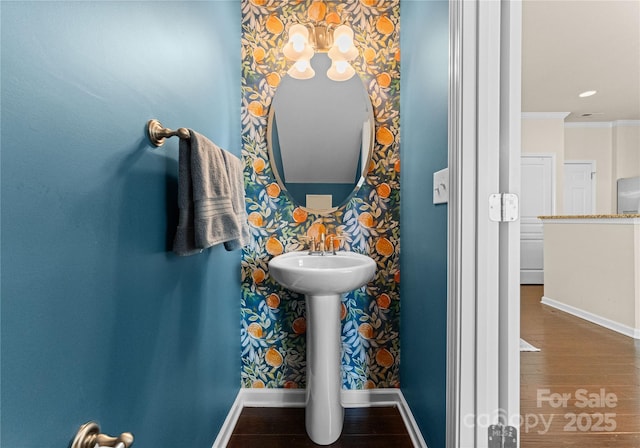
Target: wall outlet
441,186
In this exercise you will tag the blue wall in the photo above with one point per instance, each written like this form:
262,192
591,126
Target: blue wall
424,43
99,320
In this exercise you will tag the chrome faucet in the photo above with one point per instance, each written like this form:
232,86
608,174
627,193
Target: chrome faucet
331,246
319,247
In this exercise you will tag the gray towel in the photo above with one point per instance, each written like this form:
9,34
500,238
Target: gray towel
235,171
210,198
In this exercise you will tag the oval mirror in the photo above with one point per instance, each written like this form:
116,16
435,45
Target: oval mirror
320,136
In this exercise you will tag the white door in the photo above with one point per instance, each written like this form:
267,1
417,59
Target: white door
579,187
483,327
537,199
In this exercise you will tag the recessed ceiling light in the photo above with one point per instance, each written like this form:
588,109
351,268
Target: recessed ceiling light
587,93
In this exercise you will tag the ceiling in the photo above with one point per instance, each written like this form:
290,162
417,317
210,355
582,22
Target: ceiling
571,46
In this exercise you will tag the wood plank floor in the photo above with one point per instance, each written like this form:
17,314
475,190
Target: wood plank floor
577,358
379,427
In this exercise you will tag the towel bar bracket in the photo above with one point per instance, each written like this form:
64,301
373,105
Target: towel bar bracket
89,435
158,133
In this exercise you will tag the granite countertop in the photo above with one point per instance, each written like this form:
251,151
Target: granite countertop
589,216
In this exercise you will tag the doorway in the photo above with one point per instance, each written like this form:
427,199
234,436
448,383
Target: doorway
574,32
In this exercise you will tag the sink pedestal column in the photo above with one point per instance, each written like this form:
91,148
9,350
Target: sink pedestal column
324,413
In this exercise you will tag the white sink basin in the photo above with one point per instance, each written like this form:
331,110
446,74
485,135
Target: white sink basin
322,274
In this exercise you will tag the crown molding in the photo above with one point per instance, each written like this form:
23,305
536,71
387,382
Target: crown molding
624,123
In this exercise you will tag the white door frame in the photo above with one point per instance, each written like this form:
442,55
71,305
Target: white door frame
484,158
509,252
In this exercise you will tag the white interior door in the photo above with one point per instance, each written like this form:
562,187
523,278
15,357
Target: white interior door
537,199
579,187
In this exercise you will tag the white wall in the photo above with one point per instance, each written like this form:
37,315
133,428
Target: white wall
626,140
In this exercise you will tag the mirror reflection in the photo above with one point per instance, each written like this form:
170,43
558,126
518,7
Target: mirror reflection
320,135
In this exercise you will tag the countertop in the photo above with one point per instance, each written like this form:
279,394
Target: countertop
589,216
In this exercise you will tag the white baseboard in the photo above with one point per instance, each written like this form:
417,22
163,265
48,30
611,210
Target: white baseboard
531,277
593,318
224,435
295,398
272,398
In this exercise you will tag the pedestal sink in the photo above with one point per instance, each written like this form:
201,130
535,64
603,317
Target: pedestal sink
323,279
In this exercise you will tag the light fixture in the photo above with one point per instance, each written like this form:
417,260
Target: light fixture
340,71
343,48
300,51
298,46
342,51
301,69
306,39
588,93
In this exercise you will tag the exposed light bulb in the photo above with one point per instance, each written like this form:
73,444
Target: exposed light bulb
344,43
298,42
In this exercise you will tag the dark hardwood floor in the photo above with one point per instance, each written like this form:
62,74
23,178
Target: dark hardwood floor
379,427
597,370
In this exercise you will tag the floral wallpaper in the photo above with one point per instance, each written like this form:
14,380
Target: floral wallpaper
273,321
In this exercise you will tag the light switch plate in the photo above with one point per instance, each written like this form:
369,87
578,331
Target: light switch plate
441,186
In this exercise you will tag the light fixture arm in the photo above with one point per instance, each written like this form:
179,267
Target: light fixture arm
321,37
306,38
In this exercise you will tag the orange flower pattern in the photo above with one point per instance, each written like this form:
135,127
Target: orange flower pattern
273,320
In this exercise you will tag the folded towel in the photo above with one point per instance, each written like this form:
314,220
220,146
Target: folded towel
184,241
211,206
235,172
